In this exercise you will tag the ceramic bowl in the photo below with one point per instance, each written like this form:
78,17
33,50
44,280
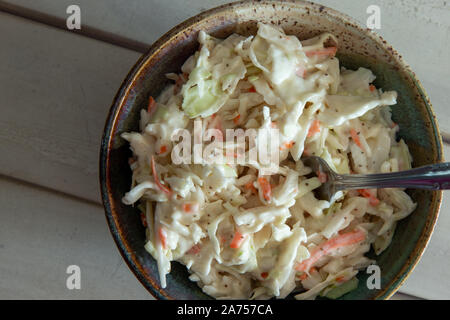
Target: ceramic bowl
357,47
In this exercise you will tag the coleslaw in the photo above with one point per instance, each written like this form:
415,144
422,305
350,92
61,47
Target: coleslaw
246,235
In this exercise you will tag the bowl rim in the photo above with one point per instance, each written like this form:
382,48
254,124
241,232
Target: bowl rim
136,71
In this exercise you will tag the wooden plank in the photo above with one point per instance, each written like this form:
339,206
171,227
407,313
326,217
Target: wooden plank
57,88
430,277
41,234
141,20
144,21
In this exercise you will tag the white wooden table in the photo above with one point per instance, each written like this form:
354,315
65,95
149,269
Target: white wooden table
56,87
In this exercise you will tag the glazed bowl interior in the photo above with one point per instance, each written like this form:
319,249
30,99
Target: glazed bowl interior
358,47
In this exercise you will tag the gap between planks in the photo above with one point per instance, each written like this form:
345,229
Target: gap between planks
86,31
48,189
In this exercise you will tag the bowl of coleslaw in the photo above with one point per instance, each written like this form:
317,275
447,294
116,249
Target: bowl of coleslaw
236,229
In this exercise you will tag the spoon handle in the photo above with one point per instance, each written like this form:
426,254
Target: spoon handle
431,177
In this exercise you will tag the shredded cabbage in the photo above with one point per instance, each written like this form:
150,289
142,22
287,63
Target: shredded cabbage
243,233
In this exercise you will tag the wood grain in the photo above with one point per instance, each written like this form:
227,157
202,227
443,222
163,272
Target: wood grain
57,88
41,234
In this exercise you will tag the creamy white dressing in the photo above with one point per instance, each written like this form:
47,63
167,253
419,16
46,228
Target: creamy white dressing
242,234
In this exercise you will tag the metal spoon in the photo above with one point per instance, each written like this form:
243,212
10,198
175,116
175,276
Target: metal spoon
431,177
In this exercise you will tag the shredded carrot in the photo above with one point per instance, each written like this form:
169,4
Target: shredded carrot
190,207
342,240
251,187
330,51
264,275
373,201
355,138
265,188
314,128
163,149
236,119
162,237
287,145
143,219
131,161
372,88
162,187
195,249
365,192
340,279
151,105
237,241
252,89
322,176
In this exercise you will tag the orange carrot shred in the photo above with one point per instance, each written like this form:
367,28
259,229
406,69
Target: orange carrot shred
342,240
372,88
162,237
251,187
237,241
264,275
236,119
162,187
314,128
330,51
265,188
163,149
289,144
373,201
356,139
190,207
252,89
151,105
